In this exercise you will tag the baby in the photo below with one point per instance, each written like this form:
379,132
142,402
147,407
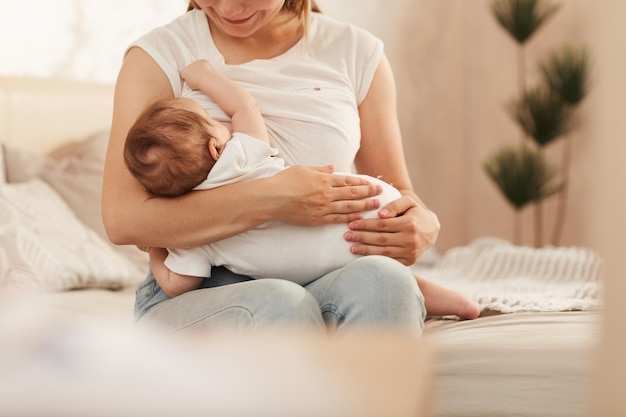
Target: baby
175,147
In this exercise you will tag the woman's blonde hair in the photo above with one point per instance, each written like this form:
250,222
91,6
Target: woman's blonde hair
301,8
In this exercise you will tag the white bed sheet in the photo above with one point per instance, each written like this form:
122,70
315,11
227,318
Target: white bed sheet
520,364
87,306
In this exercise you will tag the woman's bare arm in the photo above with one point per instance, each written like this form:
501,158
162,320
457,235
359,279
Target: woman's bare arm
300,195
129,215
407,227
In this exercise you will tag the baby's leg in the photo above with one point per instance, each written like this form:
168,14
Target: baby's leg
442,301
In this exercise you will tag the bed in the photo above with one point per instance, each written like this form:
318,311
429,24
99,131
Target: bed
531,353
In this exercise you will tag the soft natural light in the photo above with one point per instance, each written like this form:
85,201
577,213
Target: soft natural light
77,39
86,39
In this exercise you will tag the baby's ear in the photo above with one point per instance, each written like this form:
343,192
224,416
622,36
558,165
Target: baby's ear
214,149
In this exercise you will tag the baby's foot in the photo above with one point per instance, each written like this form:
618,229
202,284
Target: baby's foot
468,309
442,301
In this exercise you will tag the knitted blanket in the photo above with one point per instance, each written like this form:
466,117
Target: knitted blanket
509,278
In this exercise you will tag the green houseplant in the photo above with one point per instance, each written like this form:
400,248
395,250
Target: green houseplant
544,114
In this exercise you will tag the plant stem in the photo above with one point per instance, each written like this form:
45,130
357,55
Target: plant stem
521,70
538,224
566,163
517,227
521,78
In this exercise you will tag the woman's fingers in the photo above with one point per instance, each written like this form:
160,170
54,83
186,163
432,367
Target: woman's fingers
404,237
351,196
345,211
314,196
382,246
370,243
339,188
356,198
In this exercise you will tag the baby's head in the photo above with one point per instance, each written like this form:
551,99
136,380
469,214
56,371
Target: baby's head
173,145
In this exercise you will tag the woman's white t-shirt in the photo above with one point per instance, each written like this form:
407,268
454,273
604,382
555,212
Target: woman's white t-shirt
309,96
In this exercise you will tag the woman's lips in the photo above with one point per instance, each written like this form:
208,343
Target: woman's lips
237,21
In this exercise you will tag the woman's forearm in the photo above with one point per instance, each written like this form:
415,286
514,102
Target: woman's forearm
130,216
198,218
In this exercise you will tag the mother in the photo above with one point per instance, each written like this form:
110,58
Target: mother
327,94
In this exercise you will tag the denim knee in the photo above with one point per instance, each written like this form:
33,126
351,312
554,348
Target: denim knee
370,291
287,303
242,306
384,279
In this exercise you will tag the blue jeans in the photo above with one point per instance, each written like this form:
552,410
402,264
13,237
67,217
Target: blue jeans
371,291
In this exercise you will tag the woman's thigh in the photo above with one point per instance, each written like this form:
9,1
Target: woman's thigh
240,306
371,291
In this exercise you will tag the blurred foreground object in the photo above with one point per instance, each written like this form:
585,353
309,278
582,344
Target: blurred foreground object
52,366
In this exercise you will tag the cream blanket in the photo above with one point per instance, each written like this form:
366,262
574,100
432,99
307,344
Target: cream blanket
508,278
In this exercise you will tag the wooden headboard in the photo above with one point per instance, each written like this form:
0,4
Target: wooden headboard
39,114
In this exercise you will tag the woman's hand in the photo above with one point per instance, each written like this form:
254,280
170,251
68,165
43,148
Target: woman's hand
403,231
313,196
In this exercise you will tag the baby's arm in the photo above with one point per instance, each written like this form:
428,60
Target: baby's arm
235,100
171,283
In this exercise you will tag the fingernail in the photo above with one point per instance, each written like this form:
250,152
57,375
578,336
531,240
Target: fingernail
384,212
348,236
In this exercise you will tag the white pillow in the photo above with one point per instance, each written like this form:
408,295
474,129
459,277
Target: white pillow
77,177
43,245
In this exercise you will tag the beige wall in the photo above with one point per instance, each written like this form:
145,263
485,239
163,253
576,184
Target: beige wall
455,68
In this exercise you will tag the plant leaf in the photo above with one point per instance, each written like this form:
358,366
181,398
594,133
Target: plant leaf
522,175
521,18
541,114
567,73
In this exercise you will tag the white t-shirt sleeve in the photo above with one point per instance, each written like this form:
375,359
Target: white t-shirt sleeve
175,45
367,54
